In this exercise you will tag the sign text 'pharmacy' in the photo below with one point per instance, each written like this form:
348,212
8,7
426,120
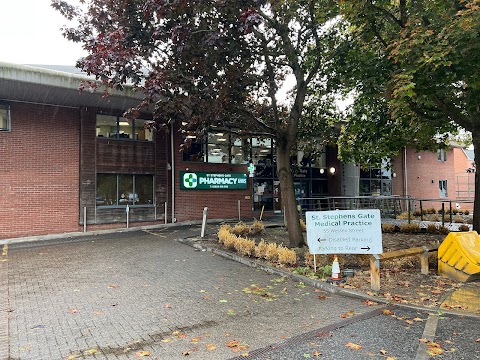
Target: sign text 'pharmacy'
213,181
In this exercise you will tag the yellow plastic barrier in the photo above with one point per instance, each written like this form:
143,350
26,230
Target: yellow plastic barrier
459,256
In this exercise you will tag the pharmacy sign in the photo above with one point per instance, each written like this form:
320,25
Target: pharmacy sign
213,181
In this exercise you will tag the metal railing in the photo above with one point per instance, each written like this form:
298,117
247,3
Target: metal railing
389,206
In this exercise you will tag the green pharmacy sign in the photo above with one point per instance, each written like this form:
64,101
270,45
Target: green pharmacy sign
212,181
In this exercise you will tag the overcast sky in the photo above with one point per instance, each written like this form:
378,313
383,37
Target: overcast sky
31,34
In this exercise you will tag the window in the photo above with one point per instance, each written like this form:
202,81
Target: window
376,181
442,155
442,185
221,147
123,190
116,127
4,117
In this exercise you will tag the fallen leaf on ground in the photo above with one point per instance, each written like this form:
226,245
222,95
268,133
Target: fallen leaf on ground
90,351
167,306
348,314
142,353
322,297
387,312
370,303
231,312
316,353
434,349
353,346
210,347
383,352
232,343
73,311
113,286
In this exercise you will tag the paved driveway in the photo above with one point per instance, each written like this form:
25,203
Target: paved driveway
125,295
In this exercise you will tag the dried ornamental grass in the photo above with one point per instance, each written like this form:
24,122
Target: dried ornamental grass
230,240
257,227
464,227
245,247
286,256
261,249
240,229
303,226
388,228
432,229
271,253
223,233
410,228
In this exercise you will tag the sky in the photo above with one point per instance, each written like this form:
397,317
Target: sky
31,34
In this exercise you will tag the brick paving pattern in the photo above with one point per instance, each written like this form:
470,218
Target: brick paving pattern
114,296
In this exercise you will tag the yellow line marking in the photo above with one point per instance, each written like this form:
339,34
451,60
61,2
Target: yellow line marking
154,234
5,250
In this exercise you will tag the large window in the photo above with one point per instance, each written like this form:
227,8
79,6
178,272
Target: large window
376,181
123,190
117,127
4,117
218,146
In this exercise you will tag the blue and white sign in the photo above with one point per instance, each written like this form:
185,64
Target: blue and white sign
344,232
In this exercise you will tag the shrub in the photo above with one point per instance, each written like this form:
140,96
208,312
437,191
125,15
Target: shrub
433,217
322,260
223,233
271,253
458,219
286,256
410,228
432,229
230,240
431,211
466,212
443,230
464,227
245,247
417,213
403,216
257,227
261,249
240,229
388,228
303,225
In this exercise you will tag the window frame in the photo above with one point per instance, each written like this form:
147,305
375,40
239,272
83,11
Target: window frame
442,155
118,136
442,184
6,106
134,191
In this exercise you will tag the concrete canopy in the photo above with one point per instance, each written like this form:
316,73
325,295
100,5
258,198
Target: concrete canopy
36,85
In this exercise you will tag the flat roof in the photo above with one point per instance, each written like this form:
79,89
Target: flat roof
32,84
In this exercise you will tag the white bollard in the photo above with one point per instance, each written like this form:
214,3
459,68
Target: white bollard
204,221
127,210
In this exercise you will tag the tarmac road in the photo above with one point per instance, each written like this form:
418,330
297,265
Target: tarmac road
142,294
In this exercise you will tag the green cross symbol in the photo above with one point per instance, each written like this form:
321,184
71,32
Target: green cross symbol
190,180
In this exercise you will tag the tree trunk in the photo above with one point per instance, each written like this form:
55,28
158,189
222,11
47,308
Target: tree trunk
476,204
295,234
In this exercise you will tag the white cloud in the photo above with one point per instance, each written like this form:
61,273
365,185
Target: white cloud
31,34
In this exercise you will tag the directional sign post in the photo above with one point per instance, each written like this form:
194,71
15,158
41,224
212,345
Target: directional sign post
344,232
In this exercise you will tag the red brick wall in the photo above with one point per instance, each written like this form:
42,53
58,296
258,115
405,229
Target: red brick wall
424,171
39,171
222,204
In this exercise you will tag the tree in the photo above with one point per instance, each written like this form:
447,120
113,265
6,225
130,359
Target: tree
417,71
209,63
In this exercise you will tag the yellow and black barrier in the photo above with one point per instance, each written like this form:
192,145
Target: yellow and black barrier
459,256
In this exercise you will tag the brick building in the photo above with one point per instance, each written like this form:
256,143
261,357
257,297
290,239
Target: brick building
446,175
70,160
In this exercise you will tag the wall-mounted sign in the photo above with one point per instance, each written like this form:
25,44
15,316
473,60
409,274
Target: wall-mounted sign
344,232
213,181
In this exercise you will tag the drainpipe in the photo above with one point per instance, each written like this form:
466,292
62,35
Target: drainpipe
173,172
